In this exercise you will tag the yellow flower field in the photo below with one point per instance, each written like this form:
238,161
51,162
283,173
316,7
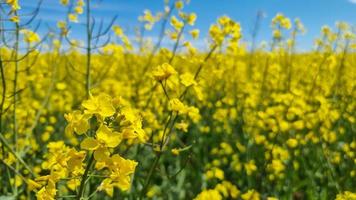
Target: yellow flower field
120,117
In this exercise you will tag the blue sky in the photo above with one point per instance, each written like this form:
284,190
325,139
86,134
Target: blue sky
313,13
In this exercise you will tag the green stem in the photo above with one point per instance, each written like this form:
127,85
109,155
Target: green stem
18,158
150,173
14,117
85,176
89,38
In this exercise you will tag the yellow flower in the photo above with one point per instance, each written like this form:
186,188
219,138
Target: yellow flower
61,86
78,123
219,173
250,167
277,34
61,24
187,79
175,151
107,186
101,105
64,2
73,184
73,17
78,10
102,154
75,159
179,5
118,30
81,3
347,195
209,195
177,106
281,20
121,169
176,23
89,143
107,137
163,72
191,18
153,191
251,195
30,36
131,123
48,192
32,185
272,198
292,143
15,19
276,166
148,19
195,33
14,5
182,126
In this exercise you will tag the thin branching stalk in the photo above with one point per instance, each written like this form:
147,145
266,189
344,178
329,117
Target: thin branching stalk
172,118
175,48
88,50
14,116
254,34
89,164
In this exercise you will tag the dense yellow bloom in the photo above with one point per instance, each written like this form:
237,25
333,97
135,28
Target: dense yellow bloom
149,19
73,184
292,143
14,5
209,195
101,105
182,126
189,18
121,169
131,123
163,72
215,173
187,79
346,196
107,137
251,195
78,123
30,36
276,166
176,23
281,20
227,189
194,115
226,28
32,185
48,192
177,106
250,167
76,159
